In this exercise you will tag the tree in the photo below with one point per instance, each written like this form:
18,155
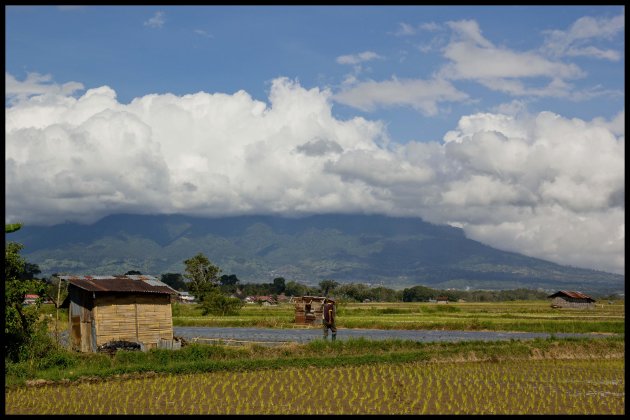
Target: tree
30,271
278,285
294,288
12,227
418,294
327,286
56,289
175,280
20,321
202,275
229,280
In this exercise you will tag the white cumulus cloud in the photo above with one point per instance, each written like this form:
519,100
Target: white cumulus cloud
543,185
422,95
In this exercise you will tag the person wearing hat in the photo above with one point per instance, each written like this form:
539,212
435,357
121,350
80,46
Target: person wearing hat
328,318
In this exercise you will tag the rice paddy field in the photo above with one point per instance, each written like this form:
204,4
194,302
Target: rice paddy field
541,376
528,316
537,387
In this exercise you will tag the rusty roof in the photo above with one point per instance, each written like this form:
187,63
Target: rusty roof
309,298
572,294
129,283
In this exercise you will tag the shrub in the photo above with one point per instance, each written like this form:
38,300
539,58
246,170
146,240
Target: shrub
215,303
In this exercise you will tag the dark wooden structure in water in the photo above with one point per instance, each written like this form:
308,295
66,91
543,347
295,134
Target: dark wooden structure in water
309,310
104,309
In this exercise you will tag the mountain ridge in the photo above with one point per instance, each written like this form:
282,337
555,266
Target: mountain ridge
395,252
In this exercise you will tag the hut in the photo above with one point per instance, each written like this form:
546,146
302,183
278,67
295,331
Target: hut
571,299
308,309
441,299
132,308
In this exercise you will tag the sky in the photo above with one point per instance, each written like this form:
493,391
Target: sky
506,121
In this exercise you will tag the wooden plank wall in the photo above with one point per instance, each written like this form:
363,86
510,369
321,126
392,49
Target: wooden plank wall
80,319
315,315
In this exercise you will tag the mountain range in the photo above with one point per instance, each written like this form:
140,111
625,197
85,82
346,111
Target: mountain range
395,252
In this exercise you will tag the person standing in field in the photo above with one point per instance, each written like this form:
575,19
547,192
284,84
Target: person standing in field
328,318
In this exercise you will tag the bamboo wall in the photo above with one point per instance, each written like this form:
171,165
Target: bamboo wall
133,317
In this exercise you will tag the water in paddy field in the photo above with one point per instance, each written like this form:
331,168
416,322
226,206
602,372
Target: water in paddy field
303,335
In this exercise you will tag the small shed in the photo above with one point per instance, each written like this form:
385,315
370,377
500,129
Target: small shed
309,309
571,299
441,299
135,308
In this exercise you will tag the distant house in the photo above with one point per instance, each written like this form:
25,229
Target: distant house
263,300
441,299
185,297
309,309
30,299
571,299
282,298
103,309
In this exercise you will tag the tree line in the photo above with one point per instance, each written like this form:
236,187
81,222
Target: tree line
202,276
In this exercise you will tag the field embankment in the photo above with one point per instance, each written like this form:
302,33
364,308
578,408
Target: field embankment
197,358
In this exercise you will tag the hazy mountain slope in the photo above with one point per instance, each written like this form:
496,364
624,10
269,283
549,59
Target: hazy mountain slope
397,252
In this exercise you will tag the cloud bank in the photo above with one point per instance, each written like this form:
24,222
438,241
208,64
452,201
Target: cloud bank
543,185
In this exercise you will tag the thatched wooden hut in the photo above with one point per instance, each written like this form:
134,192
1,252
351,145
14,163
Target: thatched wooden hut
571,299
308,309
104,309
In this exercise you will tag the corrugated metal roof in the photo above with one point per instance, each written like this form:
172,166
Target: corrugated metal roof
144,284
572,294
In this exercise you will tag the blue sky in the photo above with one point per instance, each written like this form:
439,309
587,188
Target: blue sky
507,121
138,50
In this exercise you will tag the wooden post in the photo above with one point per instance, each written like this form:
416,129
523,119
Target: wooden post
57,310
135,304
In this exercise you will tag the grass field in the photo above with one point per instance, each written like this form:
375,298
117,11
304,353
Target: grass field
527,316
540,376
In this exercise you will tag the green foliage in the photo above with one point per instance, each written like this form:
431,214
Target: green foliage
175,280
229,283
327,286
56,290
418,294
358,292
216,303
202,274
9,228
229,280
279,285
20,322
